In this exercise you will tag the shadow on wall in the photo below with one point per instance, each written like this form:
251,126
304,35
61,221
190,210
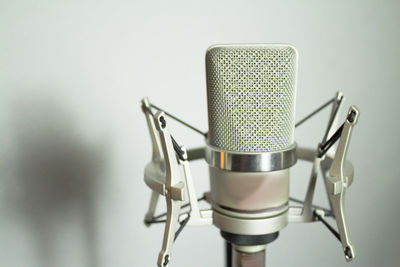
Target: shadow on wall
57,175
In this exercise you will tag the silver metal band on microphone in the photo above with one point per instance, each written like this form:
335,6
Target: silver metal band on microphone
251,162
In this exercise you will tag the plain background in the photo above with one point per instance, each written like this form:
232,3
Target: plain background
73,140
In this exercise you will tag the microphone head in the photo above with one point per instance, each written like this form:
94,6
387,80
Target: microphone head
251,93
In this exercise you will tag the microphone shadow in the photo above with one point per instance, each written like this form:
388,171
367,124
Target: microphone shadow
57,174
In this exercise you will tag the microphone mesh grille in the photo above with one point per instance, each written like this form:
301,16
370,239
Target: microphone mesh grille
251,97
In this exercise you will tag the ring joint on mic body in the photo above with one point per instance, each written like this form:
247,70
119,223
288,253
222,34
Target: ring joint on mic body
251,162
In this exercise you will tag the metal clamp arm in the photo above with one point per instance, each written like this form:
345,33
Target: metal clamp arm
163,176
174,189
337,182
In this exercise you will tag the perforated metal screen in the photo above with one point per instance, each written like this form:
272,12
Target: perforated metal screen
251,96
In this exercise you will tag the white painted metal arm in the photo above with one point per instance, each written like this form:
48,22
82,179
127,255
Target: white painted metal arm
164,177
174,189
338,182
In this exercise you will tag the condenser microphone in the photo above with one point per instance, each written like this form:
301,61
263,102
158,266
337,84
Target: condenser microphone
251,92
250,148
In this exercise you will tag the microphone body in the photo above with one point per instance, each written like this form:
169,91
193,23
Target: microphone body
250,147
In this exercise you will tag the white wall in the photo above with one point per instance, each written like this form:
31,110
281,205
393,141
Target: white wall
73,141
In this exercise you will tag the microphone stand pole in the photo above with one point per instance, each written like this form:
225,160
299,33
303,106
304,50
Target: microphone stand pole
245,256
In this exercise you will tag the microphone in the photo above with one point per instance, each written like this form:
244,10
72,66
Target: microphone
251,92
250,147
